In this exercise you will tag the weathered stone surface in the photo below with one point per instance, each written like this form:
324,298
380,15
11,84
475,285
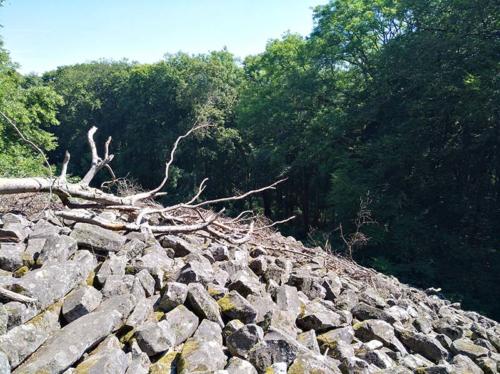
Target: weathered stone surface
4,364
231,327
426,345
332,338
61,350
97,238
106,358
118,285
166,364
114,265
287,299
317,317
147,282
201,356
235,306
378,358
173,295
363,311
155,337
142,312
18,313
208,330
379,330
464,365
466,347
80,302
196,271
309,340
11,256
309,284
180,246
237,365
243,340
200,302
182,323
246,283
53,281
219,252
56,248
23,340
308,363
139,362
132,249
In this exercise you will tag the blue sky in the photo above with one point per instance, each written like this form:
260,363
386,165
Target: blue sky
44,34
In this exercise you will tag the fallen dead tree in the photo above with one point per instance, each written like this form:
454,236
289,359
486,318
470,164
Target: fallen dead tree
83,203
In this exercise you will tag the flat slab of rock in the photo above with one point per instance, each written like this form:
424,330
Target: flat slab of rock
235,306
68,345
182,323
108,357
95,237
201,356
80,302
201,303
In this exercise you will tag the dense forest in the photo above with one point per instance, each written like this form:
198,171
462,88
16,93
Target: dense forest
391,103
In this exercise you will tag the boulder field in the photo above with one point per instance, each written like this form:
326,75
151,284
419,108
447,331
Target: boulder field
77,298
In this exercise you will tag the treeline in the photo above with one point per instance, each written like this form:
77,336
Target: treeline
395,99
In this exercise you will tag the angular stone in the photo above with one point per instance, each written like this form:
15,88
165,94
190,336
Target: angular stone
147,282
231,327
18,313
275,273
378,358
173,295
201,356
219,252
246,283
61,350
243,340
53,281
142,312
23,340
4,364
467,347
454,332
139,361
426,345
201,303
196,271
118,285
287,299
263,305
237,365
379,330
114,265
182,323
11,256
180,246
258,265
166,364
56,248
332,338
14,232
282,320
154,338
132,249
80,302
363,311
309,284
208,330
4,319
464,365
317,317
308,363
97,238
106,358
235,306
488,365
309,340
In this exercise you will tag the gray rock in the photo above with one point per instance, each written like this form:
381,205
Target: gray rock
309,340
246,283
114,265
133,248
44,229
147,282
258,265
263,305
231,327
53,281
464,365
277,274
173,295
56,248
194,354
182,323
4,364
180,246
219,252
23,340
287,299
196,271
467,347
11,256
488,365
329,340
201,303
154,337
309,363
139,361
445,327
243,340
414,361
107,358
426,345
378,358
4,319
61,350
379,330
18,313
97,238
143,311
208,330
80,302
363,311
237,365
317,317
235,306
14,232
119,285
309,284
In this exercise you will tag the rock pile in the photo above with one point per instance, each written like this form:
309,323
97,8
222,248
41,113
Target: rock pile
84,299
